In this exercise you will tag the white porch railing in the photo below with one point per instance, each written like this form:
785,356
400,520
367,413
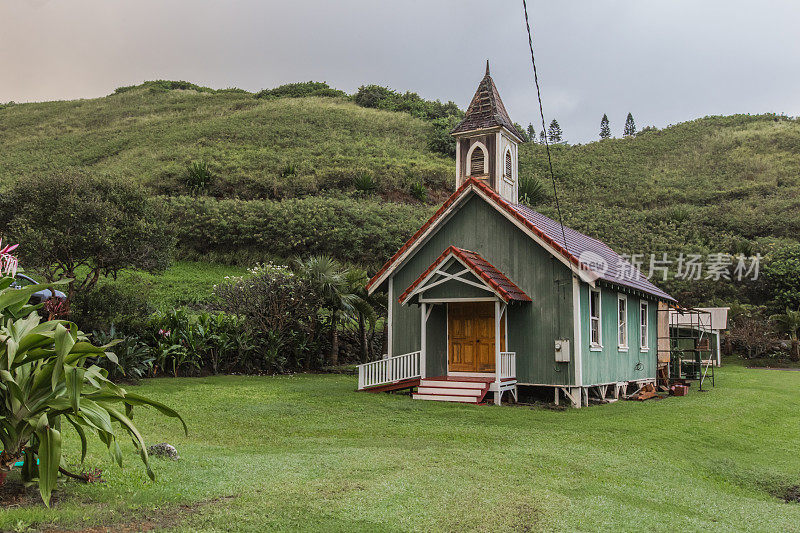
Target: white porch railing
397,368
508,365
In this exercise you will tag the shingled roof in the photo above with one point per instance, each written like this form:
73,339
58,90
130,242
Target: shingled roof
605,262
486,110
495,280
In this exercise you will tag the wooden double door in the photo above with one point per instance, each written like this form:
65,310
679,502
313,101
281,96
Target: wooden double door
471,338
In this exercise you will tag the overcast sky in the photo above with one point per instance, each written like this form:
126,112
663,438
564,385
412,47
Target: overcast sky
665,61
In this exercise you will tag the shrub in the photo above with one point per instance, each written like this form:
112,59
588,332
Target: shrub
531,191
198,177
134,357
781,273
288,170
439,139
749,332
418,191
378,97
365,183
300,90
165,86
245,231
282,310
124,305
49,374
184,343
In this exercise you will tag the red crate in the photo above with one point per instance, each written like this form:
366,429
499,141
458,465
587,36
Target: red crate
679,390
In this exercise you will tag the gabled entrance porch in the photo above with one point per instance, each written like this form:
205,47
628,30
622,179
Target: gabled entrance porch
473,297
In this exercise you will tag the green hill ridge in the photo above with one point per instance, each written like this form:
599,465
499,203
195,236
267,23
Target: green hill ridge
716,184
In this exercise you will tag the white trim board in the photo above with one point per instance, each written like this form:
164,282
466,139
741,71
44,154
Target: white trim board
446,276
454,300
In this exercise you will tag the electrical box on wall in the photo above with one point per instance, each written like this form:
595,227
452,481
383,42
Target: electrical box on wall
562,350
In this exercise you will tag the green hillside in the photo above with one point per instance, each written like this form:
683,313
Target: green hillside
711,182
254,147
713,185
717,184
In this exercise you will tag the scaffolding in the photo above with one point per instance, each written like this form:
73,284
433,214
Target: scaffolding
687,345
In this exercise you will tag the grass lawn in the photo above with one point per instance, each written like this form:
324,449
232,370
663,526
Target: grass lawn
185,282
306,452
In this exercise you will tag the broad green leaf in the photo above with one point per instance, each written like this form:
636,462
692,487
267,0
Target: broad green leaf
95,415
74,377
30,470
49,460
11,297
81,434
135,399
137,438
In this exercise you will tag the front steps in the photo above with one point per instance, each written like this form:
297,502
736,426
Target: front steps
452,389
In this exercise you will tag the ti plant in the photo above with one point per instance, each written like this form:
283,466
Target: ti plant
48,381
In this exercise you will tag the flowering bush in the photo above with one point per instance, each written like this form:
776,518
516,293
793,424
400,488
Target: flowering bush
281,311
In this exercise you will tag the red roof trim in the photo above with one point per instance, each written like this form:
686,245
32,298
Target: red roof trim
469,183
420,231
505,288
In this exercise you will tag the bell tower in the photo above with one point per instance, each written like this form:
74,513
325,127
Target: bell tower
487,143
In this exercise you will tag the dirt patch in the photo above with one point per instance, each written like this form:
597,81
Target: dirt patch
16,494
790,494
144,520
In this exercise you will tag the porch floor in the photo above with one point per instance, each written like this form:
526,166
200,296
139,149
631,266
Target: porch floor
476,379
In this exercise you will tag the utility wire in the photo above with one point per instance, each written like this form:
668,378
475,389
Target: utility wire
544,128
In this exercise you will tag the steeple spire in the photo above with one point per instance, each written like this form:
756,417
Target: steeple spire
486,110
487,142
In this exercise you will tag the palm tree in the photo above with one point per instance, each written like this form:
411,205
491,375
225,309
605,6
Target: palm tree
789,322
364,306
329,279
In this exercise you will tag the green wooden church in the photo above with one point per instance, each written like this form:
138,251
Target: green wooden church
489,295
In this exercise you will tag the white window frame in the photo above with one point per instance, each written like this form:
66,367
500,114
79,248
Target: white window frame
622,325
472,148
596,346
644,329
509,178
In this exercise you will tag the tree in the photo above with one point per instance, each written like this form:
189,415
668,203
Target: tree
531,133
330,280
542,137
781,277
50,380
364,308
439,138
522,131
554,132
605,129
789,322
80,227
281,311
531,191
630,126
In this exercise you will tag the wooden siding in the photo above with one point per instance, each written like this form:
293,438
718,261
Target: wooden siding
532,327
610,364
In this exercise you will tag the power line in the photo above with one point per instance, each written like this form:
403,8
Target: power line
544,127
